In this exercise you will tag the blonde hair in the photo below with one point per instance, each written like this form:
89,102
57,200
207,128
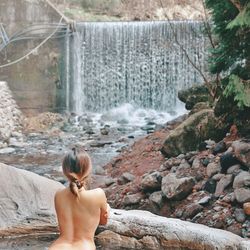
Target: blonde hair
77,167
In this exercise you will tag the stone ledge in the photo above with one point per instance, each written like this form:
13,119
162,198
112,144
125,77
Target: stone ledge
136,229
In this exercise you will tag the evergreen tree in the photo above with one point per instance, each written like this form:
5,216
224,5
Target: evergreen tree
231,55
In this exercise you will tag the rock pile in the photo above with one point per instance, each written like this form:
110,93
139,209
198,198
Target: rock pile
10,116
210,187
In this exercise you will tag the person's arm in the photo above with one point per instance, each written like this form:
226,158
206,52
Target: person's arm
105,208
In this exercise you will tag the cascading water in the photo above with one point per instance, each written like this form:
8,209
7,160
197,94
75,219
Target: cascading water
134,62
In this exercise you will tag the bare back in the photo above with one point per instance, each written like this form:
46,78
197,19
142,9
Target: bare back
79,218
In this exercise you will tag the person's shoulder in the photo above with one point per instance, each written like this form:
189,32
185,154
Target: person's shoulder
59,193
97,191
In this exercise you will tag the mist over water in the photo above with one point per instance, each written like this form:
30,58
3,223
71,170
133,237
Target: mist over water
114,64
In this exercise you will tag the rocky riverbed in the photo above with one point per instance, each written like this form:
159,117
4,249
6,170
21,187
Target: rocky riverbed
132,163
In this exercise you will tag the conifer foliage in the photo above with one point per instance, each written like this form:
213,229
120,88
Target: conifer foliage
231,55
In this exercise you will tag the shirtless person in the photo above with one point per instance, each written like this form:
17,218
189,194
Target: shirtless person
79,211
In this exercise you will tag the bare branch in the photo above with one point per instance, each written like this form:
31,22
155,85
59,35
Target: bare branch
211,92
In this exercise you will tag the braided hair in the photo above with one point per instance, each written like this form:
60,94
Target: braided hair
76,167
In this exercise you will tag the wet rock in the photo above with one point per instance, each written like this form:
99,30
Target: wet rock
132,199
223,183
242,195
235,169
7,150
239,215
242,152
227,160
242,180
3,144
246,207
100,144
105,130
89,130
219,147
123,121
17,134
210,186
177,189
194,95
156,197
186,137
191,210
13,142
213,168
151,181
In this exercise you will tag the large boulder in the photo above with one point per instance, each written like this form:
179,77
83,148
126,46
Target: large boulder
189,134
144,230
242,151
26,202
194,95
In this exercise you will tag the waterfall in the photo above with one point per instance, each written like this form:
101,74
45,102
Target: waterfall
134,62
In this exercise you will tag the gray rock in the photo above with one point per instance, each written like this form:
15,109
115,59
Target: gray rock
105,130
186,137
128,176
177,189
217,177
151,181
213,168
132,199
99,170
7,150
219,147
143,230
242,195
156,197
239,215
191,210
242,152
109,181
204,200
26,204
13,142
229,198
242,180
223,183
234,169
196,163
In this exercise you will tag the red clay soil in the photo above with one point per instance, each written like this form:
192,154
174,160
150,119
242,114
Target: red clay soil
142,157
